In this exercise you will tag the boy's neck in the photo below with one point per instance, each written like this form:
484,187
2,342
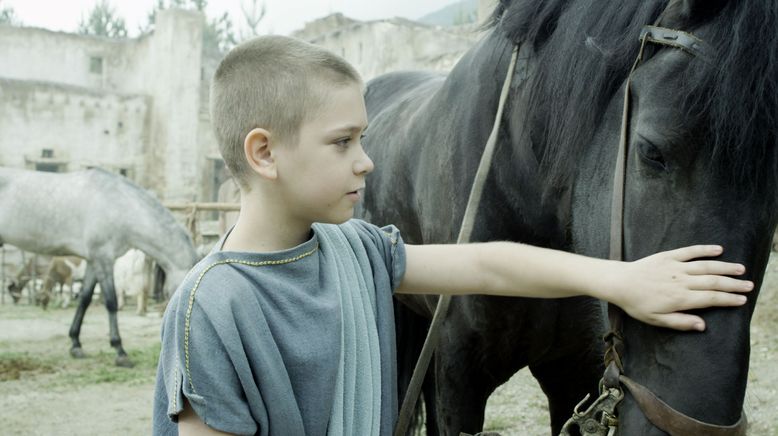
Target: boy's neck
260,228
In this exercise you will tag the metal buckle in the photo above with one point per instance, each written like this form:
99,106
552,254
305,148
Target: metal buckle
600,418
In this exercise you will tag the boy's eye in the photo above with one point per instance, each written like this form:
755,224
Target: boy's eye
342,142
345,141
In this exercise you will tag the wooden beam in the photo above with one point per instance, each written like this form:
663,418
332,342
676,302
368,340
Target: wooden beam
222,207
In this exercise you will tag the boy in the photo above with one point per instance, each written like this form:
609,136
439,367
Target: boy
286,328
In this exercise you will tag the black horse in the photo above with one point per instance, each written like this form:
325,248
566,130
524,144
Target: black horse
701,169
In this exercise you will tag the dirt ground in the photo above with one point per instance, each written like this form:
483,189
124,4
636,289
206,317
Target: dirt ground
45,392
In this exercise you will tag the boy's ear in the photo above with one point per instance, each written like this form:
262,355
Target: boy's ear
259,153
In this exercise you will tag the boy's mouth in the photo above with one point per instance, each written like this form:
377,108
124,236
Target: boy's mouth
355,195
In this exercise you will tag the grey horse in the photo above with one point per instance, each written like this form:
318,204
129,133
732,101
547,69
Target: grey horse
98,216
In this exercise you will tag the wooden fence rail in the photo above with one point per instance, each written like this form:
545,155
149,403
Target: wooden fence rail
192,208
222,207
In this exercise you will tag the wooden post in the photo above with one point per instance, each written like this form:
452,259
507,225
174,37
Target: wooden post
192,208
222,207
2,274
33,275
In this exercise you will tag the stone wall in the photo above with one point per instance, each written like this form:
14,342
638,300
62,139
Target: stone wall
131,104
381,46
173,79
485,8
51,126
139,106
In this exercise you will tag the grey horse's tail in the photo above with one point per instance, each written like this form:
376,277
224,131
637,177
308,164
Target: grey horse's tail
411,330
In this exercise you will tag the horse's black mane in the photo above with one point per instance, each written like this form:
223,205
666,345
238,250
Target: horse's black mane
586,48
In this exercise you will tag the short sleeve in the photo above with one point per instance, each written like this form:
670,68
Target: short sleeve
389,244
397,254
199,361
211,381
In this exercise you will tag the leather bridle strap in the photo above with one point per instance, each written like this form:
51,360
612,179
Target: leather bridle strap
661,415
658,35
675,422
465,231
677,39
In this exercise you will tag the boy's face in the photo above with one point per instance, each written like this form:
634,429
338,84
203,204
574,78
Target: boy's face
323,176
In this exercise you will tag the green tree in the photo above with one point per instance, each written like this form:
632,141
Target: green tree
103,21
151,17
252,17
197,4
8,16
219,35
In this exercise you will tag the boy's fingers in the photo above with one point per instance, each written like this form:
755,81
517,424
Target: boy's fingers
703,299
715,267
680,321
719,283
694,251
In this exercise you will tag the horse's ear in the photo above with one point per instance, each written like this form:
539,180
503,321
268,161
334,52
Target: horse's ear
689,13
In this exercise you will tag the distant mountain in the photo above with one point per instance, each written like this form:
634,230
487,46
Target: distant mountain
461,12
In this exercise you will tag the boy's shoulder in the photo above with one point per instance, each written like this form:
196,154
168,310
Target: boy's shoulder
379,245
364,230
215,281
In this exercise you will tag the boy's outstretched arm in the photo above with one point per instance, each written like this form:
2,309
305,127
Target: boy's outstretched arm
653,289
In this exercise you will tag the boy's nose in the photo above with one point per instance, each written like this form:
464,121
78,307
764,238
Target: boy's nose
363,165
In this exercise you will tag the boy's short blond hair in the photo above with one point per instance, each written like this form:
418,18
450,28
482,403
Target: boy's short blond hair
272,82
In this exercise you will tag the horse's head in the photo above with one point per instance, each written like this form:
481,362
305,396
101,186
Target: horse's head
173,279
701,169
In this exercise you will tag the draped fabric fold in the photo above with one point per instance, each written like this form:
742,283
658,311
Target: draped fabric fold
357,404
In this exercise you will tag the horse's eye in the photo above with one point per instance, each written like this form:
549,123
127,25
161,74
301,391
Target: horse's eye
651,155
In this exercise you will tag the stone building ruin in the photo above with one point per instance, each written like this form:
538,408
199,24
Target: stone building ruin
139,106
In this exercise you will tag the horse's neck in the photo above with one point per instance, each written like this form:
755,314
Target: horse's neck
171,248
475,85
517,182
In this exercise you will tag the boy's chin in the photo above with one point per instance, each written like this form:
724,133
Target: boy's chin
337,219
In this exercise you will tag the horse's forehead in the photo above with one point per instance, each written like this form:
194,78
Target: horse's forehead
662,67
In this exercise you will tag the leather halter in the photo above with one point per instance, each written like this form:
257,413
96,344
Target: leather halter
661,415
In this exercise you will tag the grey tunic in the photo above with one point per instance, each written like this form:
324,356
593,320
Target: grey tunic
253,339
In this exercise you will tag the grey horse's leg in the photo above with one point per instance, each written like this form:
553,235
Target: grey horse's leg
84,298
109,294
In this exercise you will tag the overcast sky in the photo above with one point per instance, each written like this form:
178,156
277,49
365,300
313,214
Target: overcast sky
283,16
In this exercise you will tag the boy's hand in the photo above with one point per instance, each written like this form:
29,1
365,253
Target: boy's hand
654,289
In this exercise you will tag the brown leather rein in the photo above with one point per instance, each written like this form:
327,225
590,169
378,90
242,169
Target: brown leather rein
465,232
600,417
